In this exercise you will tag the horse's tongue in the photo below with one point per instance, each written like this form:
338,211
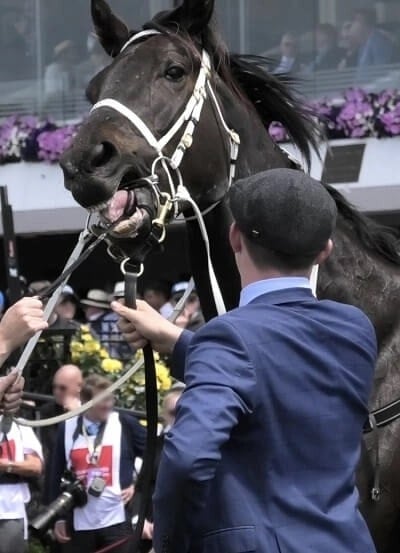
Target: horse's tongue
116,208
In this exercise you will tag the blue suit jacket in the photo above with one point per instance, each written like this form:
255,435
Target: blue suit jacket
267,436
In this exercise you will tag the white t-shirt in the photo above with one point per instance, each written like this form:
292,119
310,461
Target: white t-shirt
21,441
108,509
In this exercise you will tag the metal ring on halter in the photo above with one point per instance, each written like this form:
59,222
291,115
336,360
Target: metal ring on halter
125,262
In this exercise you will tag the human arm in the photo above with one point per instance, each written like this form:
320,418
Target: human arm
11,389
31,466
20,323
220,390
144,324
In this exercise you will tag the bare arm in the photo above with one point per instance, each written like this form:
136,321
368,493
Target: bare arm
30,466
20,323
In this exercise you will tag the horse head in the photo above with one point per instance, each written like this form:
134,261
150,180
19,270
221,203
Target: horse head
153,75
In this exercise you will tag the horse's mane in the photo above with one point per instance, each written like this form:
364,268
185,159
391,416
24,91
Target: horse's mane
376,238
274,99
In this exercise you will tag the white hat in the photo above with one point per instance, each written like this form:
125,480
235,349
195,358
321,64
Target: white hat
97,298
119,290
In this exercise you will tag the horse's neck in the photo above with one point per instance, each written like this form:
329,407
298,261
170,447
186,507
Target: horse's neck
257,153
354,275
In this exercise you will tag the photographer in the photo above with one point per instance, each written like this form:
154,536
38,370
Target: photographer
100,449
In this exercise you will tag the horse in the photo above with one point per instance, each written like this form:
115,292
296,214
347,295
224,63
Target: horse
153,74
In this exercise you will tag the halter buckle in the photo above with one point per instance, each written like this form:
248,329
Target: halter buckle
124,271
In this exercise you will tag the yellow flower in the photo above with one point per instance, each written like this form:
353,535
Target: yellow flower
76,347
161,370
103,353
92,347
87,337
165,384
76,357
111,366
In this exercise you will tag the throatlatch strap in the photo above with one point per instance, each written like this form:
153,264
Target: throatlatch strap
151,413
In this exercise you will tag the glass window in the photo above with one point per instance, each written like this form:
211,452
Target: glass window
50,53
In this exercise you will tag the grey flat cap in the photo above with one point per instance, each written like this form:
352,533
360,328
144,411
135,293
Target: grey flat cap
285,211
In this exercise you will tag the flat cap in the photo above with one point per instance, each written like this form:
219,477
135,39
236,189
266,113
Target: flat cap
285,211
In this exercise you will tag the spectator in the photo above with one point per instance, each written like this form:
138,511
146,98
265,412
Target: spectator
191,317
289,59
349,48
374,47
102,322
328,53
20,458
95,63
59,75
67,384
157,295
68,305
101,445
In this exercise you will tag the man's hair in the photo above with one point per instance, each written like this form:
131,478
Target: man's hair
264,258
92,385
368,17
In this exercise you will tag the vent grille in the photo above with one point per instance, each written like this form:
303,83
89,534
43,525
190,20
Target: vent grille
343,164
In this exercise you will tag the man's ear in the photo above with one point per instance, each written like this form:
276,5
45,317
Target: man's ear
111,31
193,16
326,252
235,238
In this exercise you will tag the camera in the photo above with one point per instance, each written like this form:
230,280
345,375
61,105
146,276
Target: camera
97,487
73,495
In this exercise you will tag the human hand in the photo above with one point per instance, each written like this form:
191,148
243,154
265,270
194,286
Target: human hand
11,389
19,323
148,531
60,532
127,494
144,324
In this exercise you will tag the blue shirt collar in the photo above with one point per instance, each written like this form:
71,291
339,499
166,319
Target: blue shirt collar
261,287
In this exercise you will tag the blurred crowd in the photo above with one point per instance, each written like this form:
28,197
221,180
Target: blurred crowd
90,463
358,44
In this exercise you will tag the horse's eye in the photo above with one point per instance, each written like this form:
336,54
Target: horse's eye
175,73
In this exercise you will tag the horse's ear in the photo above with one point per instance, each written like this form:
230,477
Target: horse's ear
193,15
111,31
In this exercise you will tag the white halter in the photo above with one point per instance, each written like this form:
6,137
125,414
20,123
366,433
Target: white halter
188,120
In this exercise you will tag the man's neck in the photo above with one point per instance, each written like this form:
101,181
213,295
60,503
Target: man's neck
255,275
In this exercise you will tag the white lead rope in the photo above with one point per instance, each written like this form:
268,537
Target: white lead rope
114,387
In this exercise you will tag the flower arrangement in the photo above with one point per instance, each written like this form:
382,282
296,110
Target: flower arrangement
92,357
357,114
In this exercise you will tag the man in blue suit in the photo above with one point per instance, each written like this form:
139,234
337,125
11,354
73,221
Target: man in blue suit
263,452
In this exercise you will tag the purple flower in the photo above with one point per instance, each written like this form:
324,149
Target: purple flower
278,132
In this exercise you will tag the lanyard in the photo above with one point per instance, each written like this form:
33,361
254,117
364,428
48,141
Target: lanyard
94,447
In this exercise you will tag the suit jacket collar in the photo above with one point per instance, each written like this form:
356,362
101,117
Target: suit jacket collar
288,295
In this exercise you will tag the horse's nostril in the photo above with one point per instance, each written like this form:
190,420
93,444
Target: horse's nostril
101,155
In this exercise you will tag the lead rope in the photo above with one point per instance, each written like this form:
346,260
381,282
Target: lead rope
132,272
